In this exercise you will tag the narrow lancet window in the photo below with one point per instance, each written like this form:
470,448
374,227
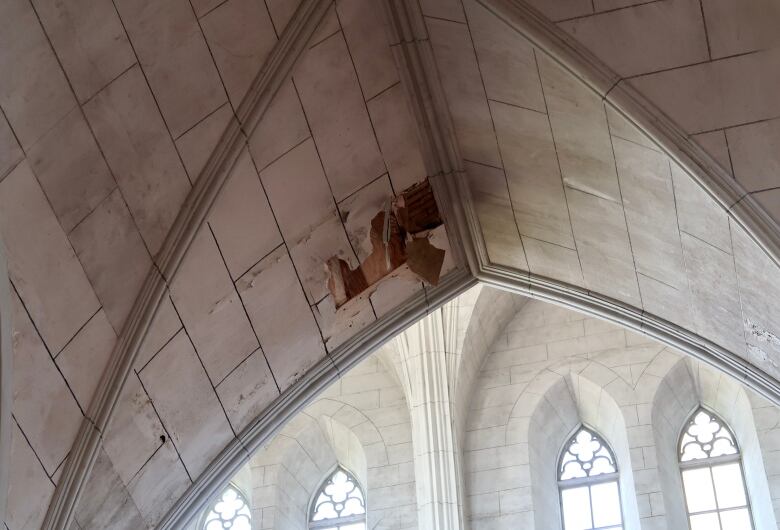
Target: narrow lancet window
229,510
712,476
339,504
588,484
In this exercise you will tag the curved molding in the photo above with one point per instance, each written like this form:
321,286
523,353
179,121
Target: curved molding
274,72
6,380
317,379
646,116
632,318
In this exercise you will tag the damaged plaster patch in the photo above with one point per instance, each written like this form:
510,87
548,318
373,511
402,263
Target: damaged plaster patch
399,236
759,356
763,335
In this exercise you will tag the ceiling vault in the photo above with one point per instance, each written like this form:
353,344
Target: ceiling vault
274,72
414,57
644,114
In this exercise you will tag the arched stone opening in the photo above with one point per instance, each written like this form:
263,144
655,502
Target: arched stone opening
687,386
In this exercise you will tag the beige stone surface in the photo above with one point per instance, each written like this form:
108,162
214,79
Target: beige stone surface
135,434
42,264
175,58
282,128
34,92
464,89
240,36
10,152
113,255
196,145
397,135
43,404
579,124
714,95
159,484
89,40
71,170
141,154
363,24
497,219
739,27
210,309
507,61
533,175
338,118
754,154
30,490
242,220
247,390
651,37
85,358
189,409
290,340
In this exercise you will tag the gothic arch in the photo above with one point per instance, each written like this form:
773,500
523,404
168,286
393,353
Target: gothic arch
568,402
686,387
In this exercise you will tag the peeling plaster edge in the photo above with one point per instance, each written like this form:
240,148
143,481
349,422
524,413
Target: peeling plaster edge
646,116
272,75
629,317
6,380
318,378
414,58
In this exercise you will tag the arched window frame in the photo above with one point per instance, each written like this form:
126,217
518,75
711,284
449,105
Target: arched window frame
339,522
206,518
588,481
709,462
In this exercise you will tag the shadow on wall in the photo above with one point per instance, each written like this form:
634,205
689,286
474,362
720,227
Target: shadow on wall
686,387
566,403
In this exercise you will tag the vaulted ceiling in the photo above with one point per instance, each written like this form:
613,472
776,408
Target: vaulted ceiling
174,175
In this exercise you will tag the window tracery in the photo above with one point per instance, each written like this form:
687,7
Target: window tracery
713,480
588,484
339,504
229,511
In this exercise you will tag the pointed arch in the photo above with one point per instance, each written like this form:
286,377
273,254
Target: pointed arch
588,482
713,477
339,502
230,510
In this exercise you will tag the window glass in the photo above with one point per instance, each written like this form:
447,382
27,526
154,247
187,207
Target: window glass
588,482
339,504
712,475
230,510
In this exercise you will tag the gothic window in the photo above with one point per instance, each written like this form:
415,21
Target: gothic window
339,504
229,511
712,475
588,483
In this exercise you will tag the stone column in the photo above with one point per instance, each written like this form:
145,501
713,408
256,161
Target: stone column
427,369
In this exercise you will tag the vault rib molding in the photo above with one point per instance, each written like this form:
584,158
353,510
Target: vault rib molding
201,197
